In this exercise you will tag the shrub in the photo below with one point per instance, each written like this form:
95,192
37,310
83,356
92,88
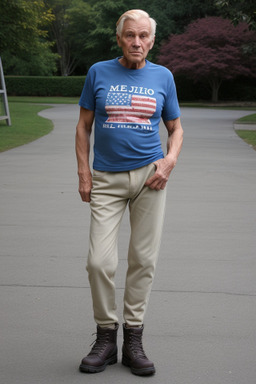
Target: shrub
71,86
44,86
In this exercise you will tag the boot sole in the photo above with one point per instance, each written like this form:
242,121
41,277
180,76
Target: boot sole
91,369
139,372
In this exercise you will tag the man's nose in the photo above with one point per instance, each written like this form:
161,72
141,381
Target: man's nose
136,41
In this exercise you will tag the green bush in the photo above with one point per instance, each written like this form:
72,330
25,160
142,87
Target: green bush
44,85
71,86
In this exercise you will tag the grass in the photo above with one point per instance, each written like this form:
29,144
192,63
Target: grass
249,119
26,125
249,136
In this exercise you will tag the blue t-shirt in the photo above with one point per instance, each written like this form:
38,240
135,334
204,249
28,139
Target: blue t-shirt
128,106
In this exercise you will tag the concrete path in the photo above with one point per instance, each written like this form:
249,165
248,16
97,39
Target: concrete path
201,321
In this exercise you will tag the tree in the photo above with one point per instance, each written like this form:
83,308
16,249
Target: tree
80,20
84,30
37,34
171,16
57,33
23,44
239,11
210,50
68,29
100,43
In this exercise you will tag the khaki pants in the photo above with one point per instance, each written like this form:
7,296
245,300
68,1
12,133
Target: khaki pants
110,195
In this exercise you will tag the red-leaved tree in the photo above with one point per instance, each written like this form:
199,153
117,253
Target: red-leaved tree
211,50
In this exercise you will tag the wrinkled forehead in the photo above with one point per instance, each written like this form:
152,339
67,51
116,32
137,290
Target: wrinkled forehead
139,25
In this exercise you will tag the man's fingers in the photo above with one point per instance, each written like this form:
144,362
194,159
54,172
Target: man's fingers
85,196
151,180
158,180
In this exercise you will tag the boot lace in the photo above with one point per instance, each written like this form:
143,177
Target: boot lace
136,346
99,344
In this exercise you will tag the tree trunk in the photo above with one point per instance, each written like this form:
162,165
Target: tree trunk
215,86
215,94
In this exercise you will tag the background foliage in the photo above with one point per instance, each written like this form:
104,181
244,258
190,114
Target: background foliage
65,37
23,31
76,33
44,86
213,50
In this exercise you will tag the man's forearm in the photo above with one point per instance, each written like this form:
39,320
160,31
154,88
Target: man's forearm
174,144
175,140
83,165
82,151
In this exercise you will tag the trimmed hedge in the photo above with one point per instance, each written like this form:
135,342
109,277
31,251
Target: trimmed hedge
44,86
71,86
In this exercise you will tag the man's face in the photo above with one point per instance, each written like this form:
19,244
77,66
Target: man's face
135,41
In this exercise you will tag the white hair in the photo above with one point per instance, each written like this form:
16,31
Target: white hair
134,14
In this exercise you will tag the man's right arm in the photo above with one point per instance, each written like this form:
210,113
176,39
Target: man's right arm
83,133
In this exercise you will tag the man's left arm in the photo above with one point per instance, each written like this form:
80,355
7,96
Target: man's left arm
165,166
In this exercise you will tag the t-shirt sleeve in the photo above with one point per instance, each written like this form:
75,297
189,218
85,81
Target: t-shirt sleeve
87,99
171,108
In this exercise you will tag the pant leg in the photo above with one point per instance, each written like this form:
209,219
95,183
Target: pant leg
108,203
146,218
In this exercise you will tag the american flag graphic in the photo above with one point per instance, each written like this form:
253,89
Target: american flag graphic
128,108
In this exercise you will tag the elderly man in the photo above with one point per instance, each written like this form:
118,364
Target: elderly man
127,97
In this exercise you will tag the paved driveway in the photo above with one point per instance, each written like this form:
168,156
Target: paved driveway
200,324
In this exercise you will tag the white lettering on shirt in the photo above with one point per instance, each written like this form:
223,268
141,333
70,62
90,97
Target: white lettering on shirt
132,89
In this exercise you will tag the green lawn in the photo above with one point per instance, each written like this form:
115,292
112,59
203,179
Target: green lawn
26,125
248,136
249,119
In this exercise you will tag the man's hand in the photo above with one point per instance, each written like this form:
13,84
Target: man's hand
163,169
85,186
165,166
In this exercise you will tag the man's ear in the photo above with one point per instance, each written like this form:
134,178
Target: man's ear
118,40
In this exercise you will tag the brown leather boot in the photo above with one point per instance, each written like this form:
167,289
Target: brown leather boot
103,352
133,353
